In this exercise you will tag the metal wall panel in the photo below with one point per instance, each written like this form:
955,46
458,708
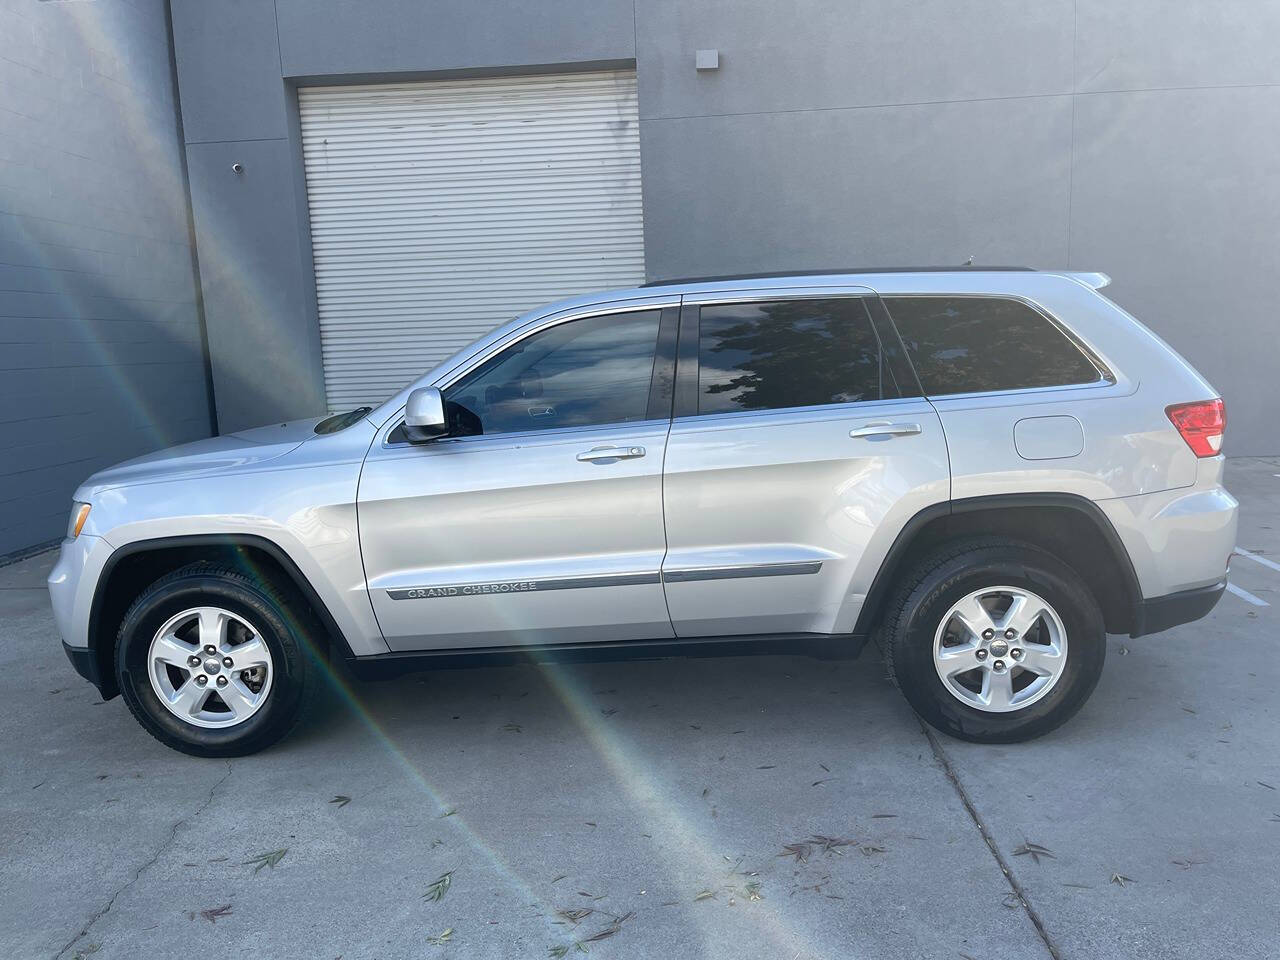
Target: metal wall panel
440,209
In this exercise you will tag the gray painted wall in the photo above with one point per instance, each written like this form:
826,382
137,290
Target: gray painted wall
236,86
100,349
1132,138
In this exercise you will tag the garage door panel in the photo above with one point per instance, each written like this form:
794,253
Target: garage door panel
442,209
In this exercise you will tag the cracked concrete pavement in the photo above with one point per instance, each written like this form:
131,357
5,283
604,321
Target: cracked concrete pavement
662,793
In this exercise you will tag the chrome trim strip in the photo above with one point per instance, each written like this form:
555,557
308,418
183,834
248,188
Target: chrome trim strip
796,569
1023,392
499,587
826,412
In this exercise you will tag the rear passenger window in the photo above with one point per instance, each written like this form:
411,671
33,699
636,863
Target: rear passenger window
983,344
788,353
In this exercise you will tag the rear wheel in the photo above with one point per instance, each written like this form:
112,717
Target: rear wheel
212,663
994,640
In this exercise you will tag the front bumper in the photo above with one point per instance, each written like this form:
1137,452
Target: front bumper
71,587
1161,613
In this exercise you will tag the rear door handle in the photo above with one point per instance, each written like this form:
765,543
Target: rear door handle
610,453
885,429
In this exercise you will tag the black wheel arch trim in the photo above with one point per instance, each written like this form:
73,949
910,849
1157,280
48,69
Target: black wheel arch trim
84,660
105,681
882,583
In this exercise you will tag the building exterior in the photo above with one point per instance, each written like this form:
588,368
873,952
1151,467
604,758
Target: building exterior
101,351
371,184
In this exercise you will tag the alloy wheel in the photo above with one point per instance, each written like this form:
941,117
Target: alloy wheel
1000,649
210,667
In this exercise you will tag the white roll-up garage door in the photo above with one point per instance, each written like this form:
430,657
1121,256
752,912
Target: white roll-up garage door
441,209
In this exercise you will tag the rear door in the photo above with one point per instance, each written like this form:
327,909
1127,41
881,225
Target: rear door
800,446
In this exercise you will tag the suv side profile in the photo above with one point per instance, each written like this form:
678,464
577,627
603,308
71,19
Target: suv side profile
986,470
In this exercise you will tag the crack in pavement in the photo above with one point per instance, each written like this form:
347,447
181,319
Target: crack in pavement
173,835
941,756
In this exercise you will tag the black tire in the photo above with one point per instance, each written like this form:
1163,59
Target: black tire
941,579
275,614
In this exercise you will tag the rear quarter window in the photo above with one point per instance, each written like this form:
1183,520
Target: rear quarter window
986,344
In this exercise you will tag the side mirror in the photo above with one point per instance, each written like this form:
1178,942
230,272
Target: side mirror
424,415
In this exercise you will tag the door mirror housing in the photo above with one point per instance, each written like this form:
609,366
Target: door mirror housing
424,415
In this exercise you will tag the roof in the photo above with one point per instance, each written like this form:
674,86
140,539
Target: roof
834,272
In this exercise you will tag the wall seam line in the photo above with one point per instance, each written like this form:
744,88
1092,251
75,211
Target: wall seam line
275,15
206,354
929,103
193,143
861,106
1071,152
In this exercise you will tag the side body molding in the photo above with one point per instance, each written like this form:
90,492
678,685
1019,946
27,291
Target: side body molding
438,591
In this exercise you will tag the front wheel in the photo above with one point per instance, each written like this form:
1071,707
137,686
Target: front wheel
994,641
211,662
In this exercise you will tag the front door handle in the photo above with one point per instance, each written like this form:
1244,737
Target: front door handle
885,429
610,453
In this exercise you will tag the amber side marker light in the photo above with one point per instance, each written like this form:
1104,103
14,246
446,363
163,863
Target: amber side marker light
78,518
1201,425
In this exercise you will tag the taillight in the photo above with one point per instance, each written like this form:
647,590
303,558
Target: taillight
1201,425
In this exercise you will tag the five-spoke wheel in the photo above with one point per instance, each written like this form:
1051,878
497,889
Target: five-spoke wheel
1000,649
210,667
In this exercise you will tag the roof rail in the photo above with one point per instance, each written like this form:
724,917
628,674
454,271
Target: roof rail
835,271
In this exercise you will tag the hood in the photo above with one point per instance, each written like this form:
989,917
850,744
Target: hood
201,457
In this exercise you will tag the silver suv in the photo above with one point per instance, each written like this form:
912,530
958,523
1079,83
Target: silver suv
986,470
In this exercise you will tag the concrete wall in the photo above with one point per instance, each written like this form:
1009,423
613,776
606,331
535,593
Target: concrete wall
1131,138
101,356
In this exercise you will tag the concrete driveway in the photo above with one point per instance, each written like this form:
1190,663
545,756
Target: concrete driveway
739,808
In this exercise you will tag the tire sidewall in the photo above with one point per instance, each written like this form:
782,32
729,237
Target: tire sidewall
1032,570
288,668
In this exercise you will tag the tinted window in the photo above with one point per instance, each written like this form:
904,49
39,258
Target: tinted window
787,353
575,374
978,344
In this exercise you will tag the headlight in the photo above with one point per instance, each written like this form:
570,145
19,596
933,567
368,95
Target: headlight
79,514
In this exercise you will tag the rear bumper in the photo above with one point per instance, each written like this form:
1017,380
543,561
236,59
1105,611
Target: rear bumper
1178,540
1161,613
85,662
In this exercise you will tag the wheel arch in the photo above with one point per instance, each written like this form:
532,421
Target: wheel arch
1049,520
132,567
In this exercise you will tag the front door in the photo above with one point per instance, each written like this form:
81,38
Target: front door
539,520
800,446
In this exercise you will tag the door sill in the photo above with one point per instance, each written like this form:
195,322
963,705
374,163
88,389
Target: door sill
821,646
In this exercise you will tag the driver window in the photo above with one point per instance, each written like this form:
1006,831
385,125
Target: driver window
577,374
